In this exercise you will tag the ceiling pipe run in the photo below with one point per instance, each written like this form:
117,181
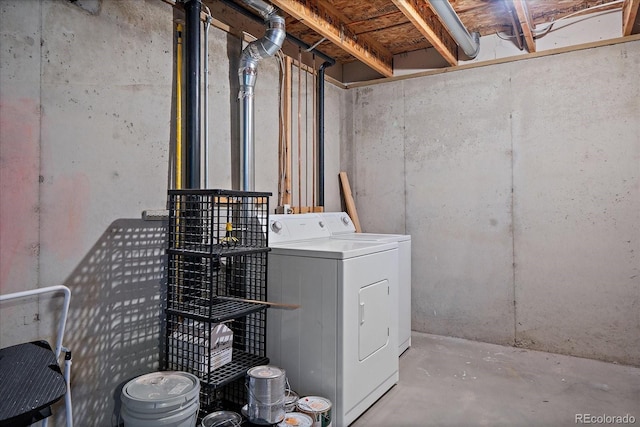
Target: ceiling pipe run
265,47
192,10
469,43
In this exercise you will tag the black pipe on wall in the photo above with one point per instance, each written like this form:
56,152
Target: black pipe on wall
320,130
192,10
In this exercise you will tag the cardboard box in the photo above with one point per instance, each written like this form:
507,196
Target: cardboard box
200,350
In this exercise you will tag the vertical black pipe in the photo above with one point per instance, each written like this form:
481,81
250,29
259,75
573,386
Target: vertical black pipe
320,112
192,76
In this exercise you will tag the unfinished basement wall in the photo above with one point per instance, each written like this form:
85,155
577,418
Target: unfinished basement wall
520,186
86,126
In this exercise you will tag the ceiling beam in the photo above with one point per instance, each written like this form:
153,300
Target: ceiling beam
329,23
426,21
629,13
522,12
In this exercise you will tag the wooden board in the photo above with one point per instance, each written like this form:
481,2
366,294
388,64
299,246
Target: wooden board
348,201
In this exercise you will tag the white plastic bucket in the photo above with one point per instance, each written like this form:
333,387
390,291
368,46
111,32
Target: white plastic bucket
161,399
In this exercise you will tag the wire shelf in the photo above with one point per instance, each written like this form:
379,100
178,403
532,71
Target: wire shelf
217,221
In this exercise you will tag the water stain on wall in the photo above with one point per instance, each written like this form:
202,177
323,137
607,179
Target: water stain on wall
19,169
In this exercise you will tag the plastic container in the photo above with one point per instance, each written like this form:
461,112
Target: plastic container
161,399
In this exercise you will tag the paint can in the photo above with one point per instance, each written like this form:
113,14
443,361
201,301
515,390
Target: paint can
297,419
266,385
290,400
318,408
222,419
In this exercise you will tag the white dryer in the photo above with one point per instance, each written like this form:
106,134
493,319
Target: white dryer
341,343
341,227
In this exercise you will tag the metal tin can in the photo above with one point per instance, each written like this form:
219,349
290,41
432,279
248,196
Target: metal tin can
290,400
266,386
318,408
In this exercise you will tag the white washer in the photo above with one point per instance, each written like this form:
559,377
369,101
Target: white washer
341,227
341,343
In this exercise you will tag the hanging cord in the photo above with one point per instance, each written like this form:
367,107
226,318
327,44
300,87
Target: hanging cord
282,130
313,152
205,107
544,31
299,130
306,138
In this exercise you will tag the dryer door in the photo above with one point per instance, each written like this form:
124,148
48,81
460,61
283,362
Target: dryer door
368,349
374,318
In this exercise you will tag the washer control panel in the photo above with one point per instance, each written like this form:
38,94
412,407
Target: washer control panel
291,228
338,222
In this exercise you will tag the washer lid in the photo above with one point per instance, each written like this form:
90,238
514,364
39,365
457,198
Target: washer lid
160,390
341,226
373,237
332,248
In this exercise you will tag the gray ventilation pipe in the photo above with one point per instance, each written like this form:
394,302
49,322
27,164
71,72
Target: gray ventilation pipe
470,43
265,47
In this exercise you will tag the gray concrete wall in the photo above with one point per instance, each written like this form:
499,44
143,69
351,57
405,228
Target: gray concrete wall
86,126
520,184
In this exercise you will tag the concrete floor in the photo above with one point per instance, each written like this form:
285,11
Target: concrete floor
454,382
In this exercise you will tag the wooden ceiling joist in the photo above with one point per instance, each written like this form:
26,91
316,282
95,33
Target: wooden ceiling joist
330,24
522,12
426,21
629,13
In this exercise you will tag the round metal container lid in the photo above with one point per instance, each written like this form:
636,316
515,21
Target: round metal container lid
314,404
296,419
160,389
265,371
222,419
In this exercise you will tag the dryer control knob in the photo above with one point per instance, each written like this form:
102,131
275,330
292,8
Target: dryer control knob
276,226
321,224
345,220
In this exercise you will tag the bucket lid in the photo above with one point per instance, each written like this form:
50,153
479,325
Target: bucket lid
296,419
149,392
314,404
265,371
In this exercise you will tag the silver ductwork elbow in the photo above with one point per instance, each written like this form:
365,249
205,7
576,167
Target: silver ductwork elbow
469,43
265,47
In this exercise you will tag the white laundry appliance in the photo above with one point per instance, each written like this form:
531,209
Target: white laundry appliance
341,343
341,227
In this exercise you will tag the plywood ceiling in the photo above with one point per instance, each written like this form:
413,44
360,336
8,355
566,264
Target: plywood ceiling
373,31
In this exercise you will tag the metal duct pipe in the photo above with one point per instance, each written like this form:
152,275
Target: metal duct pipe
320,112
265,47
192,10
470,43
292,39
